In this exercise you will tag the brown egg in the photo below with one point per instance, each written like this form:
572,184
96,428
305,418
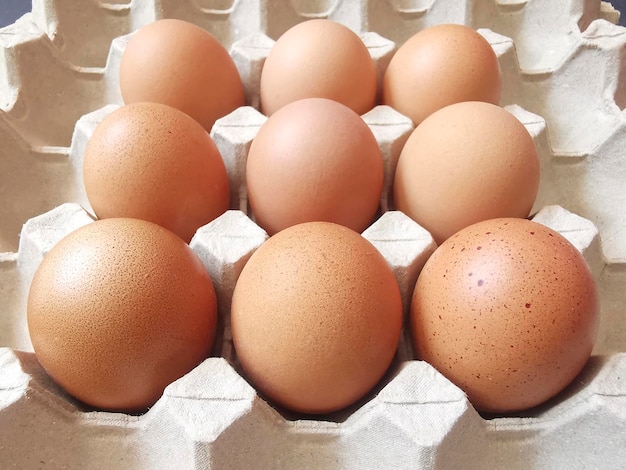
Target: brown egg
177,63
314,159
150,161
119,309
438,66
319,58
465,163
507,309
316,317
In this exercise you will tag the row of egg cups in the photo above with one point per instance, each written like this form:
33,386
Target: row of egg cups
233,135
225,245
212,417
392,19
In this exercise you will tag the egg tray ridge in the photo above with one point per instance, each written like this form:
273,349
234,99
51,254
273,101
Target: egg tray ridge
212,417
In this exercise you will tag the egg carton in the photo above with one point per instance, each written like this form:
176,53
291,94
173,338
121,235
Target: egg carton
562,63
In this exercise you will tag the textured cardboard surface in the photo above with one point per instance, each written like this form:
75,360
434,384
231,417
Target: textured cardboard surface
58,79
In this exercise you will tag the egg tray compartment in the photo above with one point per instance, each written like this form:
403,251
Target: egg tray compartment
212,417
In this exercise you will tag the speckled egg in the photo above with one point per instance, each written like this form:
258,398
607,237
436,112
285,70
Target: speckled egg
117,310
153,162
508,310
316,317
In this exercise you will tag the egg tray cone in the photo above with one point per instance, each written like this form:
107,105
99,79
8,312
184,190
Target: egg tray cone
562,63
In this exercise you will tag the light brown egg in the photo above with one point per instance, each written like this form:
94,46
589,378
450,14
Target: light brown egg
507,309
119,309
314,159
316,317
177,63
465,163
150,161
319,58
438,66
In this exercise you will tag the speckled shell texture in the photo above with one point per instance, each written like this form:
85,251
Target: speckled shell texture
119,309
316,317
153,162
507,309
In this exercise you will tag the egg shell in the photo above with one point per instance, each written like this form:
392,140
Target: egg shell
153,162
316,317
467,162
117,310
314,160
319,58
508,310
177,63
438,66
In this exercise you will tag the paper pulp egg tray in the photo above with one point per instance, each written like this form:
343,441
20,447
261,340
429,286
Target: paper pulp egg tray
563,64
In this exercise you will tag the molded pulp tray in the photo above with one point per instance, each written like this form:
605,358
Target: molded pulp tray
562,63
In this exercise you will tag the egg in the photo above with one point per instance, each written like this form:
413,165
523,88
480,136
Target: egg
319,58
177,63
439,66
119,309
467,162
316,317
508,310
314,160
153,162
